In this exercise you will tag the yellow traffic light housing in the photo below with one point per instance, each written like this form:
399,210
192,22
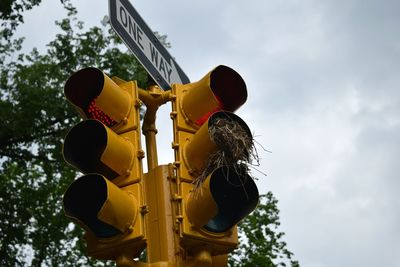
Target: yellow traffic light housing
108,200
211,197
184,213
111,216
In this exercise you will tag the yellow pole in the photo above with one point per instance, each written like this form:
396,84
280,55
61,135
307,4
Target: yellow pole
161,243
150,131
153,98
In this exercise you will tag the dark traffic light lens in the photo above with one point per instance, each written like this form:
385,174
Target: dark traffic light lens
83,201
229,87
84,146
235,194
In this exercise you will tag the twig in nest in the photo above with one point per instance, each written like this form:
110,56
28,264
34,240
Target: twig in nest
235,147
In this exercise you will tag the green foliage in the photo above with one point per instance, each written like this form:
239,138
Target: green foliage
260,240
12,9
34,118
11,14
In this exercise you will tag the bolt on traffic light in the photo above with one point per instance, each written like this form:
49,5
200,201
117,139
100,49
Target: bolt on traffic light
106,148
213,148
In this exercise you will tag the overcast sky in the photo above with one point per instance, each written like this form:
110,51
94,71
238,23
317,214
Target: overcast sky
323,81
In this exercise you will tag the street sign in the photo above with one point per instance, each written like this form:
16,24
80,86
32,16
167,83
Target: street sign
141,40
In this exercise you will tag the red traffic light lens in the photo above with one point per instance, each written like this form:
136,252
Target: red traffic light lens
96,113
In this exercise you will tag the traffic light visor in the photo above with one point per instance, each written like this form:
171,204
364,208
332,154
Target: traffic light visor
227,196
99,206
236,195
92,147
229,87
221,89
96,96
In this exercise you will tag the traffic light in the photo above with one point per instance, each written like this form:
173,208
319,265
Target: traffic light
107,201
213,147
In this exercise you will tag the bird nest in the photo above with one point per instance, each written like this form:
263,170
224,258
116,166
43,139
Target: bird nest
235,147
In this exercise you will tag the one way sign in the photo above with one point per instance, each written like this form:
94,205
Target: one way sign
144,44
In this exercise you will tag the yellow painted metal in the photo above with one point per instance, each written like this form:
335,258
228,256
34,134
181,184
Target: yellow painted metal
90,84
194,237
120,208
168,217
124,261
113,101
200,205
186,119
181,140
197,148
202,258
151,149
192,146
220,89
125,206
119,154
123,153
129,131
153,98
161,242
220,260
197,100
161,250
132,121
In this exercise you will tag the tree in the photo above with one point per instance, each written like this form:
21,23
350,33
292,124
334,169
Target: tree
260,242
34,118
11,14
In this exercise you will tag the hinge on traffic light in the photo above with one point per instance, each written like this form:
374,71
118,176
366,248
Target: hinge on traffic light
144,209
177,197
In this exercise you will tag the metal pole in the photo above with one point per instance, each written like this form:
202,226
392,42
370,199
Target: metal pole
153,98
160,243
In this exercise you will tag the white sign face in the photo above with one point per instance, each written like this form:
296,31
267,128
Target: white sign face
144,44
